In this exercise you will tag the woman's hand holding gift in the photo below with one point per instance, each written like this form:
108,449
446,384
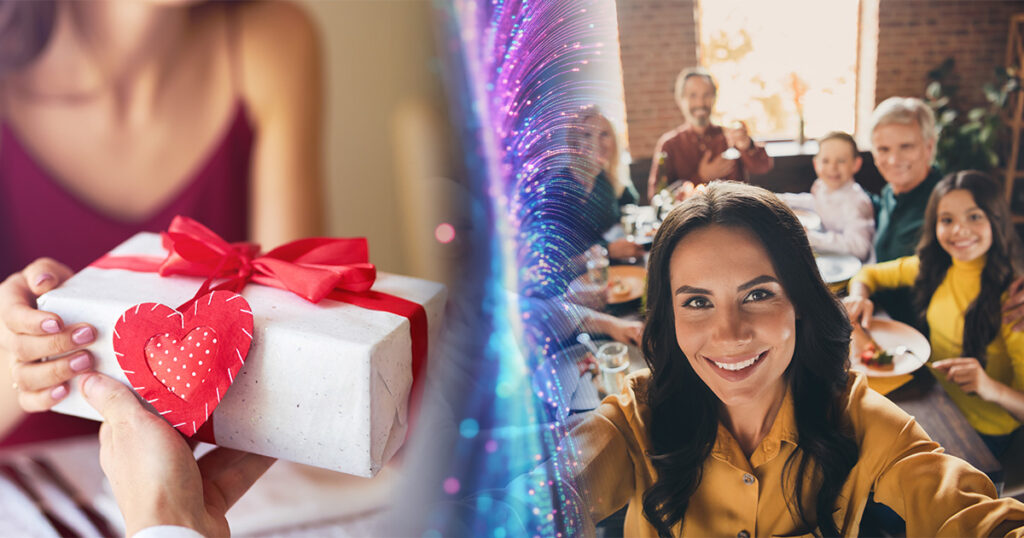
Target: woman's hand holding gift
28,335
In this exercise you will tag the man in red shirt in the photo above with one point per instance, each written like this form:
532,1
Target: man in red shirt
694,151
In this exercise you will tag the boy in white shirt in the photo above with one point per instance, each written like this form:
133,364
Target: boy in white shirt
847,215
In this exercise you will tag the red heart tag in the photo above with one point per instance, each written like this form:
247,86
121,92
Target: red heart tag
182,363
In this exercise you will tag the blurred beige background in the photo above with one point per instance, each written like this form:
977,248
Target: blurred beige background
387,137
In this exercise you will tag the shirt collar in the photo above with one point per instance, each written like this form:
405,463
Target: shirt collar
783,430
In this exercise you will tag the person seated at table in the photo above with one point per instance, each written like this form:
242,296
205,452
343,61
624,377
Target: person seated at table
968,256
114,118
748,420
847,215
693,152
602,192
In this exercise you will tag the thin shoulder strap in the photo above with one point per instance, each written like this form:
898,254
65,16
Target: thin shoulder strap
233,37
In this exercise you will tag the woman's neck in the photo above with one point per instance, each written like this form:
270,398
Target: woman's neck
751,421
110,52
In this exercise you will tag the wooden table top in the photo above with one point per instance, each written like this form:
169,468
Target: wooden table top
927,401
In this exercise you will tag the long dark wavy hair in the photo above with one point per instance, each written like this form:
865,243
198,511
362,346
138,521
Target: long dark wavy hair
25,28
1003,262
685,412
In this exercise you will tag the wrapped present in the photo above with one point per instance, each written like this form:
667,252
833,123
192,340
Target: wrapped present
334,349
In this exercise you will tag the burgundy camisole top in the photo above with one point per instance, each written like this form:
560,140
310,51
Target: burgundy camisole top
38,217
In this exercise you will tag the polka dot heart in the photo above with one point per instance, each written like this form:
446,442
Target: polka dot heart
183,362
182,365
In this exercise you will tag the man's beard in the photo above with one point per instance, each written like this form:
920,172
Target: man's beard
701,121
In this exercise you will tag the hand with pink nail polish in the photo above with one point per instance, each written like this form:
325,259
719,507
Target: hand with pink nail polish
28,336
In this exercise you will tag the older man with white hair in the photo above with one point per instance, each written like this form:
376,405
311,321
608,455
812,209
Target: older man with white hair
903,146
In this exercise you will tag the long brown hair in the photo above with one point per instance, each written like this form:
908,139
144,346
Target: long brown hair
1003,262
685,412
25,28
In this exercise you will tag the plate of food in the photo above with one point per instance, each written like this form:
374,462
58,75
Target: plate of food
625,283
890,349
837,268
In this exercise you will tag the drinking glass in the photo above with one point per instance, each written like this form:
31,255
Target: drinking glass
613,361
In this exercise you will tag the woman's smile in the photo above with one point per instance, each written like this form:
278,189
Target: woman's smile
734,321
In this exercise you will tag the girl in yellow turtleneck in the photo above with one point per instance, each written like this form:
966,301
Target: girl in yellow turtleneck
967,258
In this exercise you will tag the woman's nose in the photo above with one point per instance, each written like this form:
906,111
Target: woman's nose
733,327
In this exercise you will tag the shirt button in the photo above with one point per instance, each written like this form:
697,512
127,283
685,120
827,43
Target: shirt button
748,479
743,534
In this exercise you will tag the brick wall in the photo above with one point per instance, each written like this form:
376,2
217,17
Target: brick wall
915,36
657,39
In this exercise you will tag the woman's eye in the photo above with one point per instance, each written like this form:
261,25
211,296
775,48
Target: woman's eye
945,221
758,295
697,303
976,216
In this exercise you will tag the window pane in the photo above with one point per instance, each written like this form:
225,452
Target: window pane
759,52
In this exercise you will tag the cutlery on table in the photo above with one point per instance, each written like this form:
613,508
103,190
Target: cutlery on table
49,471
19,481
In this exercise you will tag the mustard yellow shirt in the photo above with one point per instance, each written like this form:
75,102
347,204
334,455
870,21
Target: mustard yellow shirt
937,494
945,315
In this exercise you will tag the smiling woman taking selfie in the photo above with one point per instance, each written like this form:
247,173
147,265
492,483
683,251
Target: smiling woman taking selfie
749,421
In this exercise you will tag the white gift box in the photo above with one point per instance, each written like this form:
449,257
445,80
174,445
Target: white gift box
324,384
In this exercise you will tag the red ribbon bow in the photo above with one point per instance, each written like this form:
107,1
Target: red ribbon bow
310,268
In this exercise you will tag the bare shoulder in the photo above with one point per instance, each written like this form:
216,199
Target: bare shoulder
280,51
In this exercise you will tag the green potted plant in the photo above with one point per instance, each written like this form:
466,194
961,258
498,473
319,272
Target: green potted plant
975,141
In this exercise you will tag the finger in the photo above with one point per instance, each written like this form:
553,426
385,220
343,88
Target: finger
232,472
23,318
114,401
943,365
30,348
1016,287
45,274
865,316
48,374
35,401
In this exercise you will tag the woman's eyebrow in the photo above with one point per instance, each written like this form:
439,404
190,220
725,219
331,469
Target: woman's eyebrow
690,289
756,281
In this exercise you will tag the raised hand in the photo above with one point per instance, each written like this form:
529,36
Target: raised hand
714,167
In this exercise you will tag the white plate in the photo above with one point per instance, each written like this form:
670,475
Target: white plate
836,268
809,219
890,334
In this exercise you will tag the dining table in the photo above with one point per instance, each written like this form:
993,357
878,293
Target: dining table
290,500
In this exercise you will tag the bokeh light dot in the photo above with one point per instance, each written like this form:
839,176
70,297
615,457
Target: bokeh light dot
469,428
491,446
444,232
451,485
